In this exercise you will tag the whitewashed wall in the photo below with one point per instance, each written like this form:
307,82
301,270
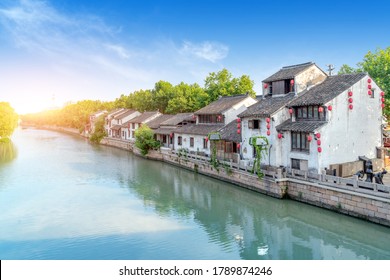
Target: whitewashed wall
198,143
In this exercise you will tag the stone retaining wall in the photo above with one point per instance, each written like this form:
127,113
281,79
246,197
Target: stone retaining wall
363,206
118,143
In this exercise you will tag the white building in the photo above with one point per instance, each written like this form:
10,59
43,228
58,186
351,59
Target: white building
118,120
133,124
211,118
333,120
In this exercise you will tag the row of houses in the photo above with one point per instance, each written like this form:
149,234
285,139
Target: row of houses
310,119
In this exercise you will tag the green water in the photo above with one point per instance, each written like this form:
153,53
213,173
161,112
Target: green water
63,198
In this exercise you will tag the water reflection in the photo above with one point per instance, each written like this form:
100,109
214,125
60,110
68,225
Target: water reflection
8,151
66,199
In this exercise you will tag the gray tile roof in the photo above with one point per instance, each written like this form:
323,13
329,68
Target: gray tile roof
124,114
221,105
155,123
178,118
166,131
288,72
198,129
143,117
330,88
303,126
229,132
267,106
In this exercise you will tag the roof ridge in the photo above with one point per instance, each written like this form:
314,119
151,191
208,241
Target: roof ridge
298,65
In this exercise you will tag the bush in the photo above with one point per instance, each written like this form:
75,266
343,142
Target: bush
99,132
144,140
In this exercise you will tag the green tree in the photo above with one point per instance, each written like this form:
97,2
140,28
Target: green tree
8,120
144,139
222,83
99,132
346,69
187,98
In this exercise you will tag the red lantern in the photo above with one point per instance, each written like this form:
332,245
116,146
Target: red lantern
171,135
369,92
267,120
350,100
383,105
238,120
319,142
350,93
291,82
318,135
238,125
309,138
330,108
238,131
369,80
320,109
382,93
280,135
265,85
369,86
383,99
291,110
238,145
207,139
219,117
350,106
319,149
268,126
268,132
193,117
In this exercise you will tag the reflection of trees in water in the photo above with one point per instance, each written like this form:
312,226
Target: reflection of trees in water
8,151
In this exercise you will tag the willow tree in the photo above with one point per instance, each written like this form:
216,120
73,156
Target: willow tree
8,120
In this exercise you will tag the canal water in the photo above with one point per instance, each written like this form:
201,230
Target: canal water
63,198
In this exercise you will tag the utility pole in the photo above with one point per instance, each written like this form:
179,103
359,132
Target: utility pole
330,68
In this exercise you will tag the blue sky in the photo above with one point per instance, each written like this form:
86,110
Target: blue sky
56,51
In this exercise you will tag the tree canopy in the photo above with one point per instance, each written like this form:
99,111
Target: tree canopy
8,120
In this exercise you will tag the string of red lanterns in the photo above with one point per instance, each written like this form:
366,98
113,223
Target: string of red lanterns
383,99
318,136
350,100
268,120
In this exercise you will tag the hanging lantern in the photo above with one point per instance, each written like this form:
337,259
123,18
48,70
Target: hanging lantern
369,92
369,80
267,120
369,86
193,117
318,135
280,135
238,145
350,100
330,108
238,125
320,109
265,85
238,131
382,93
319,142
291,82
219,117
309,138
207,139
238,120
383,105
291,110
350,93
319,149
268,132
171,135
268,126
383,99
350,106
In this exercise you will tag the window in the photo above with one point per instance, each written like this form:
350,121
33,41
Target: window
211,119
204,143
309,113
133,125
179,140
191,142
372,93
299,141
295,163
254,124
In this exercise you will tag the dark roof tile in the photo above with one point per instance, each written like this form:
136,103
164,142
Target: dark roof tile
302,126
178,118
288,72
229,132
267,106
198,129
221,105
330,88
155,123
143,117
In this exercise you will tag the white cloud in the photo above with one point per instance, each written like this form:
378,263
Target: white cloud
210,51
119,50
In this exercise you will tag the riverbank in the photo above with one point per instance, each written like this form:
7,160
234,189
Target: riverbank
358,199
